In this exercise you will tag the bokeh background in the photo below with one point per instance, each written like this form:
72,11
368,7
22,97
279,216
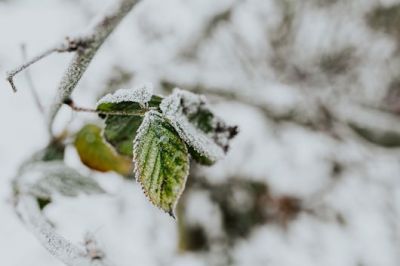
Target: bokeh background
313,178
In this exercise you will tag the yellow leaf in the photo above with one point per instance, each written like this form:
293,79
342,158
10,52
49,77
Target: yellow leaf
96,154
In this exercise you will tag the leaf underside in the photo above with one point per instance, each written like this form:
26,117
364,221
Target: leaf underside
120,130
43,179
161,162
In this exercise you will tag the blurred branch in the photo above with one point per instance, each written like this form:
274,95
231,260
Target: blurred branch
85,47
26,205
336,119
294,115
31,185
208,31
95,36
29,212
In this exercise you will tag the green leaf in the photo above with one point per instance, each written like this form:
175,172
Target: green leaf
203,119
199,158
98,155
120,130
207,135
161,162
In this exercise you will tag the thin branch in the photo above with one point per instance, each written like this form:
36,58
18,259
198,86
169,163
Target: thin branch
12,73
96,34
30,81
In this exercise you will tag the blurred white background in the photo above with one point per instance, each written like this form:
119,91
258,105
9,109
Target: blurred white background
311,179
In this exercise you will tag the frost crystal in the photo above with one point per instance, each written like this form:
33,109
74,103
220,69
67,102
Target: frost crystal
179,100
201,142
140,94
196,124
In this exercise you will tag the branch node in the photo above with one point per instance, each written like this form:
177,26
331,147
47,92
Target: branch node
68,101
74,44
92,248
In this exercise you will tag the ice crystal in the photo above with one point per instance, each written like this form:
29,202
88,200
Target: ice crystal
140,94
201,142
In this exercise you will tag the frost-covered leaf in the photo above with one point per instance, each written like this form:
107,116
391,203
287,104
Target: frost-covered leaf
120,130
95,153
161,162
207,135
129,100
44,179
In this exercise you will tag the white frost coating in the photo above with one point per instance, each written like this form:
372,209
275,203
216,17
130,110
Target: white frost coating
57,245
144,127
140,94
201,142
173,108
27,208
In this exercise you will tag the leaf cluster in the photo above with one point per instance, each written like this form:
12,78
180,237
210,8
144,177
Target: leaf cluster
160,135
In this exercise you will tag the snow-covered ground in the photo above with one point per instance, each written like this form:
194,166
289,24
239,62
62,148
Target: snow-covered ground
292,74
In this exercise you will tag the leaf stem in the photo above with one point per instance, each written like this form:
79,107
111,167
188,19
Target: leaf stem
71,104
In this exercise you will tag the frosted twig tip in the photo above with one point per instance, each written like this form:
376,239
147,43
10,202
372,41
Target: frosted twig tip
10,80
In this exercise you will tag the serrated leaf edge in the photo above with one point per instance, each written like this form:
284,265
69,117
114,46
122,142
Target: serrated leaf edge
179,124
140,94
140,132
